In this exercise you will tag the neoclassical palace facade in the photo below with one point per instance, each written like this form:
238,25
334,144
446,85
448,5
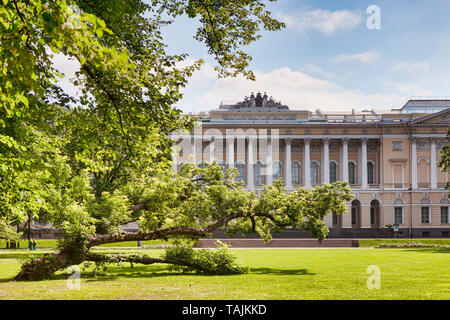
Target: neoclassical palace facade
390,159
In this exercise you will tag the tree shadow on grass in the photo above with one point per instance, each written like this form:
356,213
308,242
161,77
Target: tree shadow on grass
163,271
115,272
285,272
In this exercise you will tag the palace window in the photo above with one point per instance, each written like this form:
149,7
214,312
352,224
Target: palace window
241,169
398,215
295,172
314,173
277,167
336,221
356,206
374,212
333,172
258,178
370,173
425,214
444,215
351,173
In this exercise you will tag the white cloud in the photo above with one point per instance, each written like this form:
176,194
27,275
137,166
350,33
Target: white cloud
366,57
312,69
409,89
296,89
324,21
404,66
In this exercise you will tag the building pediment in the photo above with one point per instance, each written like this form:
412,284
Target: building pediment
441,117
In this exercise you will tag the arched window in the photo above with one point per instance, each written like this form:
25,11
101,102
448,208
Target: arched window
241,169
295,172
277,166
351,173
333,172
370,173
314,173
356,205
374,213
258,177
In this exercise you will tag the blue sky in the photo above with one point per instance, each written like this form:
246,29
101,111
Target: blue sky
327,58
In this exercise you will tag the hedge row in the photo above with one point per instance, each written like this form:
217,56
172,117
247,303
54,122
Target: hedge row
377,242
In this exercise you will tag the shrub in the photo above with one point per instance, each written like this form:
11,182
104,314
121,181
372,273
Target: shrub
411,245
207,261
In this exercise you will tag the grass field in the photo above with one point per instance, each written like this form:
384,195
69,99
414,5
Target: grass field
274,274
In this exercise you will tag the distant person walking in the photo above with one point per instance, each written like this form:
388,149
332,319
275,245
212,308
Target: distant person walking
34,244
30,244
139,243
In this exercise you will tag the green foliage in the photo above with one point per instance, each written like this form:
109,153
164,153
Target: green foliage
207,261
8,233
444,163
377,242
412,244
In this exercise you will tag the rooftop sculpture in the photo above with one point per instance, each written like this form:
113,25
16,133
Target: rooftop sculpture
260,101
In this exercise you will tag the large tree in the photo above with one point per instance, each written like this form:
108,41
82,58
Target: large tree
92,162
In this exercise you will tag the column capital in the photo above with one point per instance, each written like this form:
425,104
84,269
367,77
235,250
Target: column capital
288,140
346,140
434,139
364,139
327,140
307,139
414,139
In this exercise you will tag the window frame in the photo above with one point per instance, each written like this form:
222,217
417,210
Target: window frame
447,218
395,215
295,176
422,215
352,163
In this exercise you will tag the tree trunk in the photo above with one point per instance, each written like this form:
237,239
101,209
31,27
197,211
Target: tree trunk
46,266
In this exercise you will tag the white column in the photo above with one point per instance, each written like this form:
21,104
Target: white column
307,164
287,165
326,161
345,159
250,180
433,164
364,163
414,163
230,151
212,147
269,170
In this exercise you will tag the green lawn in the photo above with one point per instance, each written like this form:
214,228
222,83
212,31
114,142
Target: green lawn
275,274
